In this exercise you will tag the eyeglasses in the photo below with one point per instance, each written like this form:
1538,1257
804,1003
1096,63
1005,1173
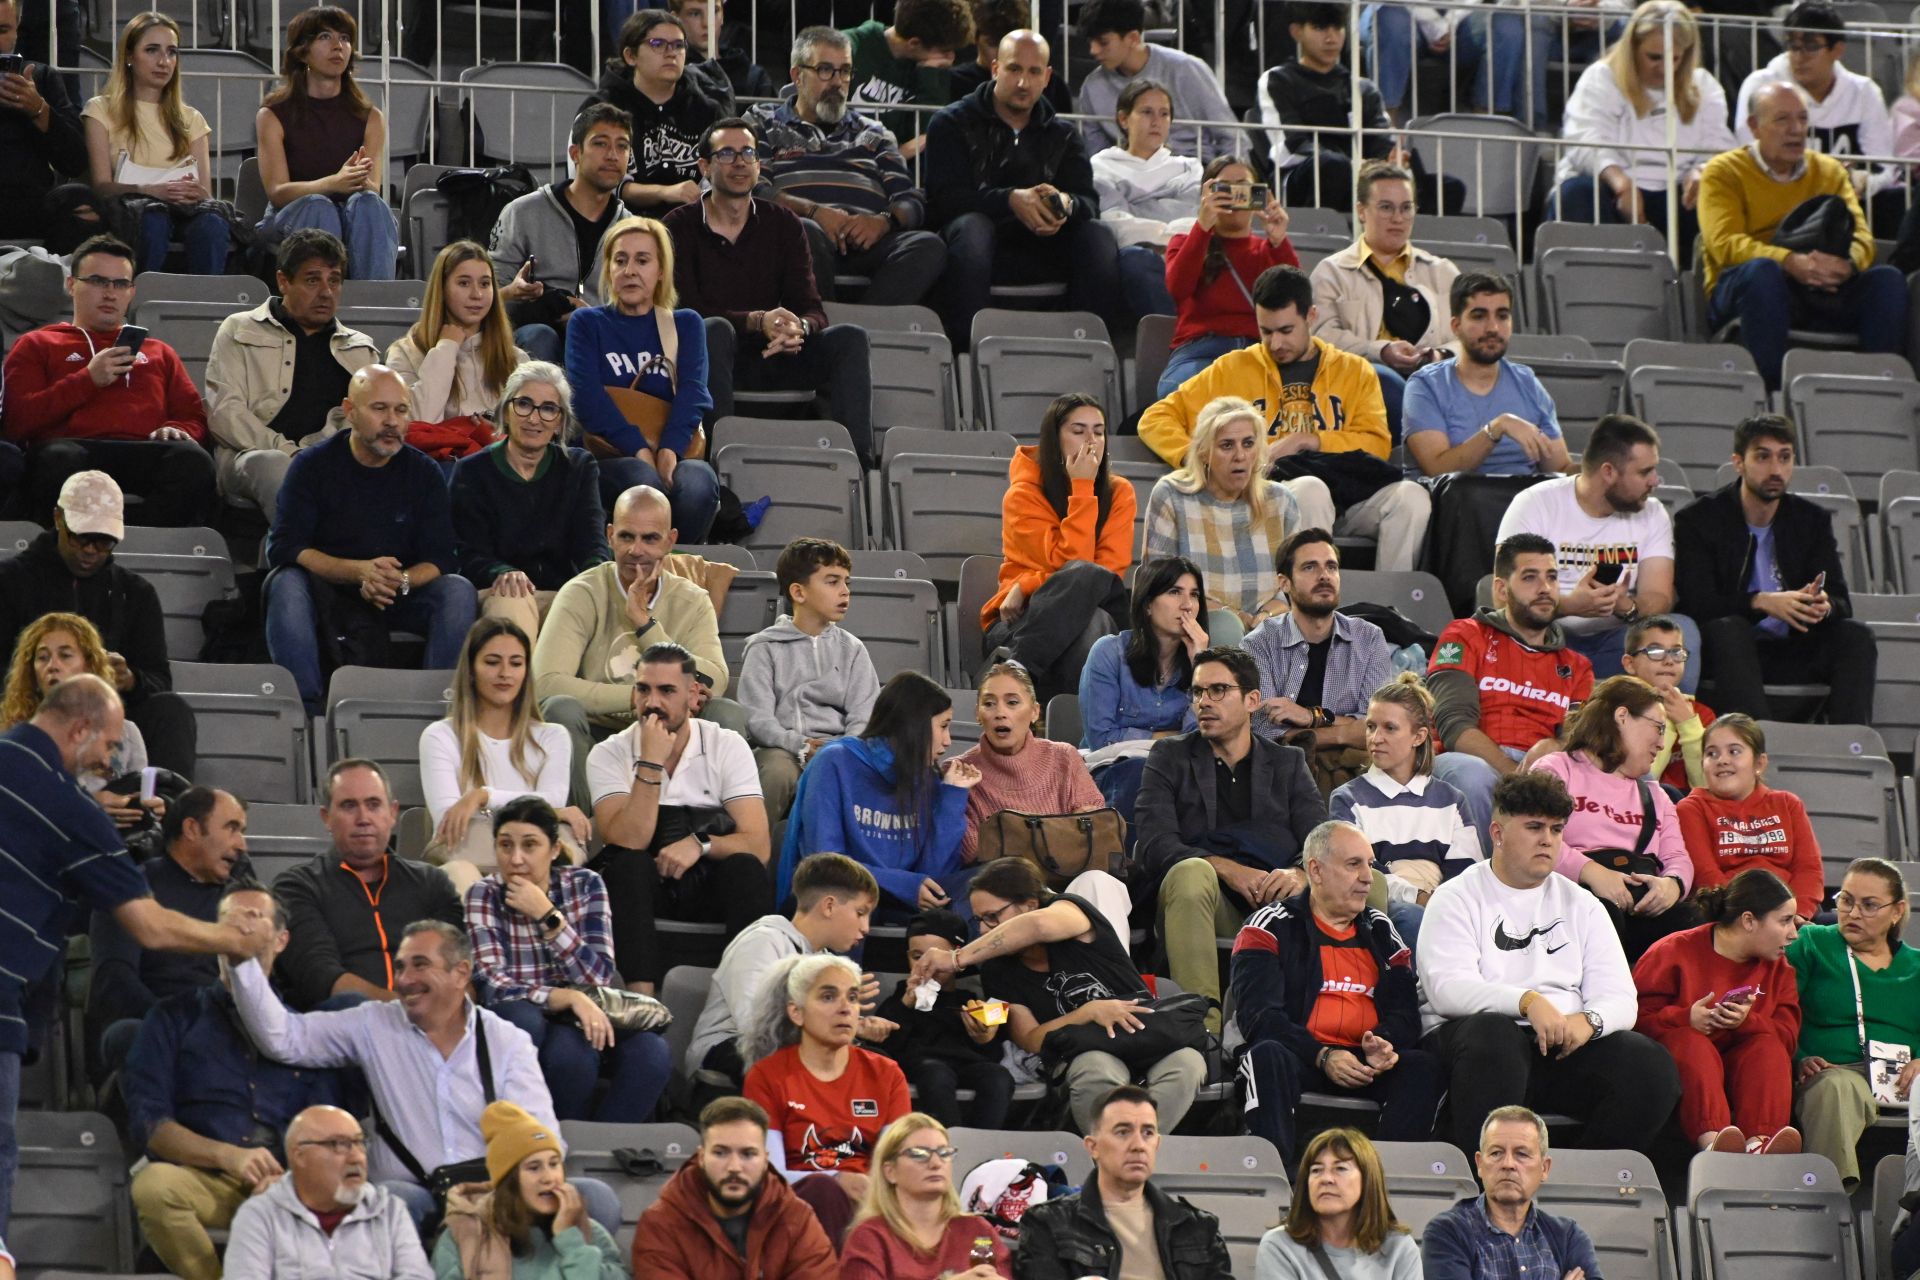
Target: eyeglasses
727,155
1212,692
830,72
1656,721
338,1146
107,282
95,541
526,408
991,919
1845,903
1809,44
1661,652
922,1155
1394,210
659,45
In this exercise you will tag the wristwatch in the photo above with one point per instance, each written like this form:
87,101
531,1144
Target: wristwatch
1593,1020
552,921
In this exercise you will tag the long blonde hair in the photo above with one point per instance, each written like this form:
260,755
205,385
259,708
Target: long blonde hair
1194,471
496,335
22,697
883,1198
464,712
1648,20
121,101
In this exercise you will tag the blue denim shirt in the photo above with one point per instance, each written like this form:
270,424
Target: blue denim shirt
1116,708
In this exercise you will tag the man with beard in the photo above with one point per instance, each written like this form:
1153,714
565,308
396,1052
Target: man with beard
721,1217
1481,412
1512,1160
1762,575
669,109
843,174
1318,666
1613,542
362,544
1505,679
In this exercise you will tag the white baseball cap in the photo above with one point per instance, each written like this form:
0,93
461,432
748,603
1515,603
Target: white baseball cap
92,503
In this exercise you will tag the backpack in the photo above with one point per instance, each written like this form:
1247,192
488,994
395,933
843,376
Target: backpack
475,198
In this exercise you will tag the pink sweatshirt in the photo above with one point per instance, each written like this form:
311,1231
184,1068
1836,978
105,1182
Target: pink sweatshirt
1607,814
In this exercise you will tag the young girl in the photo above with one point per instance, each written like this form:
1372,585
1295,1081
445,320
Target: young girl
1143,189
1736,821
458,354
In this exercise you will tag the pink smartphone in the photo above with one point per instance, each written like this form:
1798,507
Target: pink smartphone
1742,993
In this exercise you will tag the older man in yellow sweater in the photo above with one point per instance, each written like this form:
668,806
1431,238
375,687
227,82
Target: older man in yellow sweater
1744,196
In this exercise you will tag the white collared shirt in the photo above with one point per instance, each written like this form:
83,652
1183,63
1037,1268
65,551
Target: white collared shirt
716,767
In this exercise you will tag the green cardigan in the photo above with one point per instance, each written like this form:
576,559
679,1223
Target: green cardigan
1890,996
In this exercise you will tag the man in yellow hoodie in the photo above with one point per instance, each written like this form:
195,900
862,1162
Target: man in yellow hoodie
1317,398
1744,196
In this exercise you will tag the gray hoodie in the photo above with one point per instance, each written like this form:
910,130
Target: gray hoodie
274,1236
796,686
753,951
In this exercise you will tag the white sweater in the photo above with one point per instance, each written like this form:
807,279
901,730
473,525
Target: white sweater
1600,121
440,767
1853,121
1143,200
1484,944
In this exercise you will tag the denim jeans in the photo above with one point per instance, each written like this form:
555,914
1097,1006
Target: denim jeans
205,235
9,1135
541,342
1393,389
1191,357
1390,58
363,221
1143,282
1514,82
1767,303
441,610
694,494
641,1065
834,363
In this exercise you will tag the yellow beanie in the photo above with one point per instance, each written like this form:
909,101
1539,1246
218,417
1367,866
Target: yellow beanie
512,1135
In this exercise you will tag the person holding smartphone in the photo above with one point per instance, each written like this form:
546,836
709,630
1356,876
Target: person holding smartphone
41,140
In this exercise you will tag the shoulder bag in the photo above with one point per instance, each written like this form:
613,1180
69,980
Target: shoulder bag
644,411
1062,844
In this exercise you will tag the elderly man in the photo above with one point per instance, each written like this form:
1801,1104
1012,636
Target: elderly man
326,1219
1485,1238
1745,195
1324,993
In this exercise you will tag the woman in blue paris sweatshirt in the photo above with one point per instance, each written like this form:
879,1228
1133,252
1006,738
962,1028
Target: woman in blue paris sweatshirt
638,342
887,800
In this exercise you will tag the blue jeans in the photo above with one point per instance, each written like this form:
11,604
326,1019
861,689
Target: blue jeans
1143,282
641,1065
1605,648
1390,60
1767,303
601,1204
694,496
1406,917
1190,358
1393,389
205,235
442,610
541,342
9,1135
364,222
1521,52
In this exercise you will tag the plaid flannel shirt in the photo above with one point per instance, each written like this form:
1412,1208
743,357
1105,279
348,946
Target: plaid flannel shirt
513,961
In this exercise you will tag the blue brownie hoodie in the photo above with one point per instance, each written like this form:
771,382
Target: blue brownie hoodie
846,804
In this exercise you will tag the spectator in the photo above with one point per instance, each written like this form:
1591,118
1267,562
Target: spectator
744,264
1209,268
1657,653
1764,577
1220,511
1057,961
283,1232
542,948
1493,702
725,1192
834,898
362,543
1832,1097
721,47
1606,515
1512,1161
41,136
668,110
910,1226
51,648
1480,411
206,1108
1134,685
1617,118
458,354
842,174
526,1218
1067,539
126,409
1734,822
1019,770
562,226
1015,212
639,366
1340,1217
70,569
1546,1011
1745,195
278,375
1623,841
1143,189
1398,335
1115,32
1511,52
888,800
1325,402
323,146
805,681
146,145
1317,666
526,509
55,836
1324,992
677,805
1222,817
1119,1213
1394,35
1721,999
346,907
909,62
992,21
950,1046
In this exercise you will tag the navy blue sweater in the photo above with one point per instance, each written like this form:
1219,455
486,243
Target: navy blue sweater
549,528
332,504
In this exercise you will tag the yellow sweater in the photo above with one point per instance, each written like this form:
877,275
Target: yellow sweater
1345,410
1741,205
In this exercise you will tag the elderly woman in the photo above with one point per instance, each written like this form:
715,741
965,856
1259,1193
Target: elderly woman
526,509
1340,1223
910,1227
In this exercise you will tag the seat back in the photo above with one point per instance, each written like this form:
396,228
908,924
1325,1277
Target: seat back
226,86
186,585
1463,228
1420,596
1691,407
1152,346
1584,390
1782,1218
1063,718
752,603
912,364
898,619
1425,1179
1849,786
357,295
1896,685
1900,528
1889,1180
947,508
1864,425
252,730
590,1148
1042,1146
405,93
979,579
1638,238
684,991
719,553
1616,1198
71,1204
968,444
815,491
378,714
1016,376
1610,297
1497,165
522,112
873,563
189,328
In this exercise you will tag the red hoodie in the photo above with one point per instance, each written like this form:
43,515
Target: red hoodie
1219,307
1683,967
678,1237
49,396
1768,829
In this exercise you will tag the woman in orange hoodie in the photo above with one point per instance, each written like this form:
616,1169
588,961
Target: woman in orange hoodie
1067,537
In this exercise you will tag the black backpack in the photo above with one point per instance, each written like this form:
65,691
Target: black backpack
475,197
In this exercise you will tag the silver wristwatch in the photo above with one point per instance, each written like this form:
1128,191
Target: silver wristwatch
1593,1020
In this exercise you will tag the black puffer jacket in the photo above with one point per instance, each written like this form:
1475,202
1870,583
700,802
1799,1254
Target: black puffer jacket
1070,1237
974,160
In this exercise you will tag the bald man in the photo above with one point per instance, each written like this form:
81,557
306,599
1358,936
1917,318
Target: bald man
362,545
1010,187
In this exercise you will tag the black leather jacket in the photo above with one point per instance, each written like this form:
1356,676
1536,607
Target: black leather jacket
1068,1238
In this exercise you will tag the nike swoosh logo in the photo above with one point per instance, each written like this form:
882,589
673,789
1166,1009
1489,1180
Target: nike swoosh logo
1507,942
1562,947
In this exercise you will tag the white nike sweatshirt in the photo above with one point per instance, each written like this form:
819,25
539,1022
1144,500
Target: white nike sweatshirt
1484,944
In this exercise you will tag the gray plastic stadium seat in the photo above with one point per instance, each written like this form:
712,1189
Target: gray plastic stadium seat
71,1206
912,363
378,714
1015,377
235,293
979,579
152,540
405,94
1781,1218
424,217
1042,1146
1863,425
1063,718
1321,221
751,605
958,444
590,1148
1247,1208
528,123
356,294
898,619
226,85
1852,794
947,508
1609,297
1425,1179
1638,238
1313,249
1873,607
189,328
186,585
1691,407
252,729
1198,1162
719,553
1497,165
16,535
1152,347
1896,689
684,990
1420,596
966,724
1889,1180
1899,517
1584,388
383,325
281,837
816,491
1143,476
1616,1198
1463,228
873,563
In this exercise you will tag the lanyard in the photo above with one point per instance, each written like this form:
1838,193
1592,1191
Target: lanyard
1859,1008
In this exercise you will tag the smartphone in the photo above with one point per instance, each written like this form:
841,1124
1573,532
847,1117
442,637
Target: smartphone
1746,991
1057,203
1246,196
1608,572
13,64
148,777
1819,583
132,336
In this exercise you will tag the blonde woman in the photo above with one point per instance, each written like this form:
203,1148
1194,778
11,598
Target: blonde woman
458,354
142,140
910,1226
1616,123
51,648
639,374
1221,512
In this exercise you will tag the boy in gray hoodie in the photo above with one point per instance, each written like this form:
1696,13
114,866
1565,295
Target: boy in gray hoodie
804,680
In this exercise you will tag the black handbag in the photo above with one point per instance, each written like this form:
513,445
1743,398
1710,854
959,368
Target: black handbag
1177,1022
1823,224
1407,314
1351,477
1635,861
446,1177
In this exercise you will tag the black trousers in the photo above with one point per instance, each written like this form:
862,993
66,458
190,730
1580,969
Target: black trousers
167,726
733,889
1275,1078
1623,1085
833,363
173,479
1078,604
1839,652
939,1080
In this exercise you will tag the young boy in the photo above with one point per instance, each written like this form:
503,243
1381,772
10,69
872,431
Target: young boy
805,680
1654,654
909,61
947,1048
833,898
1115,32
720,53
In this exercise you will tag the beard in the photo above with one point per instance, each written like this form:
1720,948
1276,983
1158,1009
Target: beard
831,109
1317,608
731,1196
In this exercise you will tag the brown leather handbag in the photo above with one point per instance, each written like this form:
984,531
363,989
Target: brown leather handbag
1061,844
646,412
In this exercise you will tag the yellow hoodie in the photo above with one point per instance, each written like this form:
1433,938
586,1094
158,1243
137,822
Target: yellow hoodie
1345,411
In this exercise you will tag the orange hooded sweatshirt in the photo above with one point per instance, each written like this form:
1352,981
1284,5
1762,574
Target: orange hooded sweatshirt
1035,542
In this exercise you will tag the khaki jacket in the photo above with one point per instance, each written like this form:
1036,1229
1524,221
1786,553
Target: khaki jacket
250,376
1351,304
